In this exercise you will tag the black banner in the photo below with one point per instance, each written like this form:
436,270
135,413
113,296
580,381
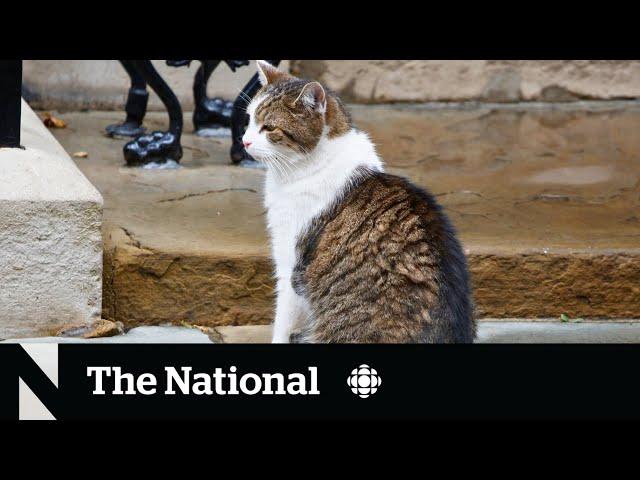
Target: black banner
328,381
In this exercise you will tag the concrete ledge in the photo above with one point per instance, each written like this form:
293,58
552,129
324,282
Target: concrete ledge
515,330
51,246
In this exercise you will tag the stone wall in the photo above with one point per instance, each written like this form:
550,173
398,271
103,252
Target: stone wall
103,84
383,81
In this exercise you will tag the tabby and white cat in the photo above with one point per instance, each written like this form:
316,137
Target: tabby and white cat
360,255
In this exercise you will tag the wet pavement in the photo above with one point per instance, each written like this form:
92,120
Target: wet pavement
523,176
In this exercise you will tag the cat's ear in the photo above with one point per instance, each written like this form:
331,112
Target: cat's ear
313,96
269,74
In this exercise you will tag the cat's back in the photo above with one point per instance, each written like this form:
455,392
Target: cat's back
383,265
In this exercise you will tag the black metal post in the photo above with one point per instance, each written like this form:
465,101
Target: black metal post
136,106
201,79
168,98
10,102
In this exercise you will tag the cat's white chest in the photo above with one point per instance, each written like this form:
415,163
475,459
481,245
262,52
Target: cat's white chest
288,215
292,204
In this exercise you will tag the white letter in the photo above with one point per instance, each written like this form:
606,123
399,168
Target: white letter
300,383
146,380
268,377
98,371
183,383
314,381
256,380
118,378
217,377
233,390
202,387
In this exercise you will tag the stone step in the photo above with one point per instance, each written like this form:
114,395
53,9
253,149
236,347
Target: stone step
514,331
545,198
50,237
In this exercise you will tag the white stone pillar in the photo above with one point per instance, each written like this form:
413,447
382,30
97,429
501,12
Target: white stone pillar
50,240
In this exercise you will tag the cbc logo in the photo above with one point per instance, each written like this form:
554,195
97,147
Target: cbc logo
364,381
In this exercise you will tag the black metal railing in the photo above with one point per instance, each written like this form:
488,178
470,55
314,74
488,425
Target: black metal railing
10,103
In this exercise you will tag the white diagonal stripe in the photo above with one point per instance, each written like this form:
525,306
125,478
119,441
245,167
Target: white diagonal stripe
29,405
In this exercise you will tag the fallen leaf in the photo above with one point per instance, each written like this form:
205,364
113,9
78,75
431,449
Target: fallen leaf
214,335
81,154
51,121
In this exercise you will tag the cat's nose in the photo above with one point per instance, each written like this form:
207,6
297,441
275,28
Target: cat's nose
246,144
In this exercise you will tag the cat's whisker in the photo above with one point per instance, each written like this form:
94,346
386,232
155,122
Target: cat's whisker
304,149
272,162
285,167
243,95
286,162
280,167
240,92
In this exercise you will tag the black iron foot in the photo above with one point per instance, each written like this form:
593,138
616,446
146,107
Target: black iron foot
240,157
238,153
211,115
251,163
157,147
126,129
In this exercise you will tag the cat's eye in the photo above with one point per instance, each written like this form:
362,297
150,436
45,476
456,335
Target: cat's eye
268,128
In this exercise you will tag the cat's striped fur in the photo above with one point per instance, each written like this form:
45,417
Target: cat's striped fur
360,255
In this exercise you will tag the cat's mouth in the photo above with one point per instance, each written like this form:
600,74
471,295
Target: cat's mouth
256,155
262,155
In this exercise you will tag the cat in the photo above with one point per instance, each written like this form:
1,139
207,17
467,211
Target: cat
361,256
